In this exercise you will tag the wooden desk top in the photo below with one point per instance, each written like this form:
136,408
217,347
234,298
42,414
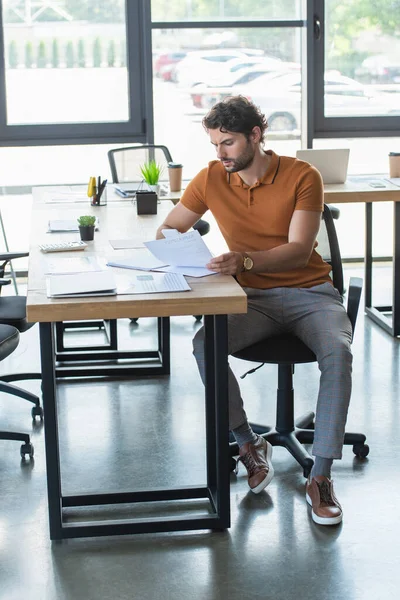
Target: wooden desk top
357,189
215,294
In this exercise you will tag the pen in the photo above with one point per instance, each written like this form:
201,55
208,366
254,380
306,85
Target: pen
98,190
101,189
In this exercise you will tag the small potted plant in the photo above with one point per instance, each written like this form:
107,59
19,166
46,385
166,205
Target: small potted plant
86,225
151,172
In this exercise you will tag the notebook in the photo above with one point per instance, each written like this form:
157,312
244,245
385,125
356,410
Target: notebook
332,163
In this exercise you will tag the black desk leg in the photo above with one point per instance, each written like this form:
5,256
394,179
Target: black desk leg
387,317
368,255
217,422
47,353
396,270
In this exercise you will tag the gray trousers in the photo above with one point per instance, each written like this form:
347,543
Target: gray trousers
317,316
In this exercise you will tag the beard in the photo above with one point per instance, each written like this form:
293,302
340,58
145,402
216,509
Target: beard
243,161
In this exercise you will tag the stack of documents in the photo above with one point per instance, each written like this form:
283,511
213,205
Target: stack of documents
66,225
185,254
75,284
79,285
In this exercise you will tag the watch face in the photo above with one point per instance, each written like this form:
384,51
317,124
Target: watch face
247,263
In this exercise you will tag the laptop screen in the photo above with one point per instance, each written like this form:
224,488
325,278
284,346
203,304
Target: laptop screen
332,163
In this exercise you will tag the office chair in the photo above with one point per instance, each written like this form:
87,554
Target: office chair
125,166
9,340
287,351
13,313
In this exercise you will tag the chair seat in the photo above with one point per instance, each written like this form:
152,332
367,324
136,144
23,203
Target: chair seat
281,349
203,227
13,312
9,340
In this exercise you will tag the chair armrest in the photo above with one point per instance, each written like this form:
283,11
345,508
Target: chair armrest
11,255
353,299
5,282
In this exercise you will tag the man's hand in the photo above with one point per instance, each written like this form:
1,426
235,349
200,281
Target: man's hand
230,263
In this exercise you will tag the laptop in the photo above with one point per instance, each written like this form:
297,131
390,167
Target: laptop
332,163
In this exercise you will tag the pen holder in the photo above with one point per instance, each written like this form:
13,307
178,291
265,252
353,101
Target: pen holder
146,202
99,199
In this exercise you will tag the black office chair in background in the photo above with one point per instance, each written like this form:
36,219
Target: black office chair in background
287,351
125,166
13,313
9,340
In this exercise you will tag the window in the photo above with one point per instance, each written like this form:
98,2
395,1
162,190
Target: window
357,68
68,75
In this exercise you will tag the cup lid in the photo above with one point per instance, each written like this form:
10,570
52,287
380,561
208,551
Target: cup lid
394,153
174,165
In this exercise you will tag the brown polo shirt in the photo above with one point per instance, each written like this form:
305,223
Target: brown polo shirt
257,217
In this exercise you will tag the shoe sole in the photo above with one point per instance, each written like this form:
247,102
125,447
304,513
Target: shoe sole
261,486
323,520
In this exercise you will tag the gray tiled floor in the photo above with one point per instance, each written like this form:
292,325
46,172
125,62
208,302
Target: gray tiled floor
119,435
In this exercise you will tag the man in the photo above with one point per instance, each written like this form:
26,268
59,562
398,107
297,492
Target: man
268,208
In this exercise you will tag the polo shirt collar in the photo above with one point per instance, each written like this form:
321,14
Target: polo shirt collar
267,178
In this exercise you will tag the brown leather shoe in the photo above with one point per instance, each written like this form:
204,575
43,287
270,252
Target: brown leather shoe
326,509
257,460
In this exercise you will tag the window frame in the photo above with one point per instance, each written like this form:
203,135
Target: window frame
338,127
138,127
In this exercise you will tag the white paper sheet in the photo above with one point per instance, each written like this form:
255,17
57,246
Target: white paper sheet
149,283
57,225
126,244
394,180
185,250
143,260
189,271
57,265
77,285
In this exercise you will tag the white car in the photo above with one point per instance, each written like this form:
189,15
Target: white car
238,66
202,94
279,98
197,66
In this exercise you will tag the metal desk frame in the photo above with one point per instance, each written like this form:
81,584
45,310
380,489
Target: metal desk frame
216,490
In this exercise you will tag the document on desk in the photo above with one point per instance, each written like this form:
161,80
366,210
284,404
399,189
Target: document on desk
143,260
58,225
68,194
150,283
81,285
394,180
57,265
183,253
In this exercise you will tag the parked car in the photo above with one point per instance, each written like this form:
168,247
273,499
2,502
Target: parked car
379,68
196,67
165,60
279,97
201,97
226,74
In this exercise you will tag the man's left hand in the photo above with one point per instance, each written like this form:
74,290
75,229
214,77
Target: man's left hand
230,263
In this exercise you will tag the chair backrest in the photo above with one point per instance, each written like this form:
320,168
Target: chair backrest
125,162
328,248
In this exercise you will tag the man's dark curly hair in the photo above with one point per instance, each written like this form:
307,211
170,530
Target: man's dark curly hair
236,114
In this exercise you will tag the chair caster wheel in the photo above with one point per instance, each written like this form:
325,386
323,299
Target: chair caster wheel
27,449
37,411
361,450
134,320
198,318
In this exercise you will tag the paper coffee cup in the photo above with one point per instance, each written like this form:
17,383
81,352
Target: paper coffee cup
394,164
175,176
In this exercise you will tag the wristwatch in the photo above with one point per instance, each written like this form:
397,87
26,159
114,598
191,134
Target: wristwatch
248,263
